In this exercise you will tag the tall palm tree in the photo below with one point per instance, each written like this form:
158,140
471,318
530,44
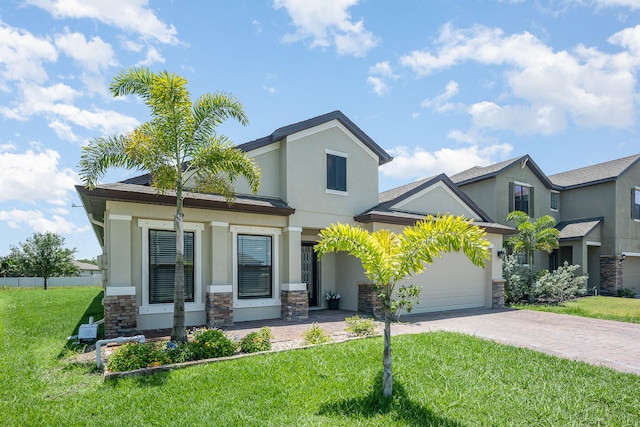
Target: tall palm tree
388,257
178,145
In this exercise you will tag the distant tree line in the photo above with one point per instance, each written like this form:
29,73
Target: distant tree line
41,255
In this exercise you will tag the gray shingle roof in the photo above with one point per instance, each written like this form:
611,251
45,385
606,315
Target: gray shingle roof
571,230
285,131
601,172
479,173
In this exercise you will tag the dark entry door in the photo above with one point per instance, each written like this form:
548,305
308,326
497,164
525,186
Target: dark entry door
309,270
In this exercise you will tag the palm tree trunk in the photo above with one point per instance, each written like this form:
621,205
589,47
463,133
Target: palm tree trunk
387,376
179,330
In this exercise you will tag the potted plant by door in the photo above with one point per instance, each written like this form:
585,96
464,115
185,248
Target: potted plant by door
333,299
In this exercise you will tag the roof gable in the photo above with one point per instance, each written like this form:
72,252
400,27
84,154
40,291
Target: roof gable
594,174
285,131
399,200
480,173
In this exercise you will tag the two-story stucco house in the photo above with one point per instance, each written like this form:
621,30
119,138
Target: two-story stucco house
597,210
254,259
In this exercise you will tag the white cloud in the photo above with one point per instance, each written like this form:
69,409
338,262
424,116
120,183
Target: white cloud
37,222
94,55
587,86
631,4
129,15
418,163
33,176
153,56
55,102
327,23
440,103
22,56
379,74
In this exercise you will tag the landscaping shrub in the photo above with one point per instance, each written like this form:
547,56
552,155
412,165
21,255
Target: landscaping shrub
560,285
315,335
522,285
360,326
257,341
626,293
132,356
210,343
181,352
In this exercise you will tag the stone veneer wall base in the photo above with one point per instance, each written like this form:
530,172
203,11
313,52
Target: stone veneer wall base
219,308
120,316
368,301
497,293
294,305
611,277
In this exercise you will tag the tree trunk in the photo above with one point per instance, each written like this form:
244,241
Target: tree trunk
179,330
387,376
45,283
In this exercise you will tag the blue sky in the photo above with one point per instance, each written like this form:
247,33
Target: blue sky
441,85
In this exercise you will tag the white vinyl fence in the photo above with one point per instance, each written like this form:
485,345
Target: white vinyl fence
38,282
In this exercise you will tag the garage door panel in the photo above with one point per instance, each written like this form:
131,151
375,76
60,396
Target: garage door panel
450,283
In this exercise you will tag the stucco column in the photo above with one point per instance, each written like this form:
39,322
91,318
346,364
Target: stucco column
120,302
293,293
219,296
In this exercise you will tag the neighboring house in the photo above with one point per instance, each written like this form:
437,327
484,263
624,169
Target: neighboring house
602,203
597,210
254,259
86,269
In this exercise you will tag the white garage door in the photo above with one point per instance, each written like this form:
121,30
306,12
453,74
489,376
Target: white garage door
450,283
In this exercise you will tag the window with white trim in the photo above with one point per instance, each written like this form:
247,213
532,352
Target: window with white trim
158,266
521,197
162,266
336,172
255,266
256,279
635,203
555,200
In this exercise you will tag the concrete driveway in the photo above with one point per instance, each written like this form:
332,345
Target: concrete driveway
595,341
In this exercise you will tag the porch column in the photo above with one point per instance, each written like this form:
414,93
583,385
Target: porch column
294,298
611,277
219,296
120,302
497,293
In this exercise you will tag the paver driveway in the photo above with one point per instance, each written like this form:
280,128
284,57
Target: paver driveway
595,341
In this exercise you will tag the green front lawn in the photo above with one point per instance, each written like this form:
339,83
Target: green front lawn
442,379
610,308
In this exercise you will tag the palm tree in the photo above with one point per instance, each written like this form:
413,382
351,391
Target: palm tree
178,145
534,235
388,258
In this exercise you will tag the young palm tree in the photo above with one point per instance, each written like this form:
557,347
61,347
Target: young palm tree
534,235
388,257
178,145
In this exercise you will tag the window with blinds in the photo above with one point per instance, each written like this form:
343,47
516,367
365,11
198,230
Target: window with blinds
336,172
162,266
255,272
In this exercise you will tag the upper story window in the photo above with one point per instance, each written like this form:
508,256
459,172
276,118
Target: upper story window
635,203
521,198
555,200
336,171
162,266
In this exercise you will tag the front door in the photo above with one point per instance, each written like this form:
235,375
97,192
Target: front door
309,270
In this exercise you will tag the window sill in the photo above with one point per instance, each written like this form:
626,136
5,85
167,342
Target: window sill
249,303
168,308
337,192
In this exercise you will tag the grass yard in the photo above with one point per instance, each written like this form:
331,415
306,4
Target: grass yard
440,379
610,308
